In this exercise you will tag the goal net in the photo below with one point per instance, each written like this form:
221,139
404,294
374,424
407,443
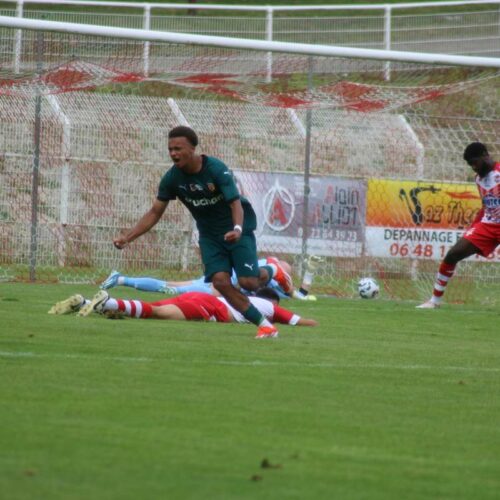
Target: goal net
355,156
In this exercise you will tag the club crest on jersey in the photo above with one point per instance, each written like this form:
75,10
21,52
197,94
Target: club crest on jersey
211,187
279,207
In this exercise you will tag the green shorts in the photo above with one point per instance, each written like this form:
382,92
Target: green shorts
218,255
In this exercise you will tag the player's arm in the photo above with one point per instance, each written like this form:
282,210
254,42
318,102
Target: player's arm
145,223
237,216
478,216
225,181
286,317
306,322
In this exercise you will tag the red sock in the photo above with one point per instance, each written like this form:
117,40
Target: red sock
445,272
147,310
135,308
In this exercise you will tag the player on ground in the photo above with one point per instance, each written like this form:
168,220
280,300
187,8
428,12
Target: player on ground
188,306
149,284
225,220
483,236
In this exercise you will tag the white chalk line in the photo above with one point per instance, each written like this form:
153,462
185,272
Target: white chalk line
357,366
126,359
255,363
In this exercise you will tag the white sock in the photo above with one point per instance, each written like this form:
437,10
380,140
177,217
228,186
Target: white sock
265,322
308,279
110,305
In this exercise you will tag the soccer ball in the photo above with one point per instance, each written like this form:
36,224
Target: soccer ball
368,288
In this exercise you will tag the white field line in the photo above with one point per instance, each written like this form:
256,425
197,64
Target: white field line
365,366
126,359
255,363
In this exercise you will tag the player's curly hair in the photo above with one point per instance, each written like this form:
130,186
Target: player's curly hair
268,293
475,150
187,132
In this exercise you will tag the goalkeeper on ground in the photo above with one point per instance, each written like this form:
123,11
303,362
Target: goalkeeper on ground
149,284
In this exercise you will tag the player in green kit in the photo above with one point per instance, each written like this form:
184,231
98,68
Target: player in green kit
226,222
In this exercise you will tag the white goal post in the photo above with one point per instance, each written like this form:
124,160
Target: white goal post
244,44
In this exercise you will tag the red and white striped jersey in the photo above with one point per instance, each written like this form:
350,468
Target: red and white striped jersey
270,311
489,189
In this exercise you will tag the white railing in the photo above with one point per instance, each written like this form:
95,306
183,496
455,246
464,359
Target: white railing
267,29
464,33
244,44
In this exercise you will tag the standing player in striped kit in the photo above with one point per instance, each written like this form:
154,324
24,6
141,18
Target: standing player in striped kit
483,236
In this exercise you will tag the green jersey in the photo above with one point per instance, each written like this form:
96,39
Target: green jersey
207,195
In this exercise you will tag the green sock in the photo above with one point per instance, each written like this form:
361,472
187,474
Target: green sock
253,315
270,272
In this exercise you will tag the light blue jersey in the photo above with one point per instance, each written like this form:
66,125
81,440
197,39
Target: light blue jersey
197,285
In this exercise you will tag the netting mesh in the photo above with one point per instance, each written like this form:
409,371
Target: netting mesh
385,145
49,63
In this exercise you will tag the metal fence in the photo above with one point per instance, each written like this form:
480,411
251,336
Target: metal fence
101,157
460,27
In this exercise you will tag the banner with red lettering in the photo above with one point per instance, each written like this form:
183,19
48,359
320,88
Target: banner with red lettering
417,219
335,210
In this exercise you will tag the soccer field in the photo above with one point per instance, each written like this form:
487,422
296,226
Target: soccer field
381,401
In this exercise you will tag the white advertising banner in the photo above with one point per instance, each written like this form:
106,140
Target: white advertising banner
336,213
409,243
419,220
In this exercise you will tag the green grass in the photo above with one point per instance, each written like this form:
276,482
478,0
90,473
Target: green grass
379,402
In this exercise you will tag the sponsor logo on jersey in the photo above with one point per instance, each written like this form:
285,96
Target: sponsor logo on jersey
205,202
491,201
195,187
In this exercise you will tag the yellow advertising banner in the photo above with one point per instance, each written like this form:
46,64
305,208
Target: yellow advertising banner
417,204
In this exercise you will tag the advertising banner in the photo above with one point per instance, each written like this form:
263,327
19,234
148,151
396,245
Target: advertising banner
336,212
418,220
